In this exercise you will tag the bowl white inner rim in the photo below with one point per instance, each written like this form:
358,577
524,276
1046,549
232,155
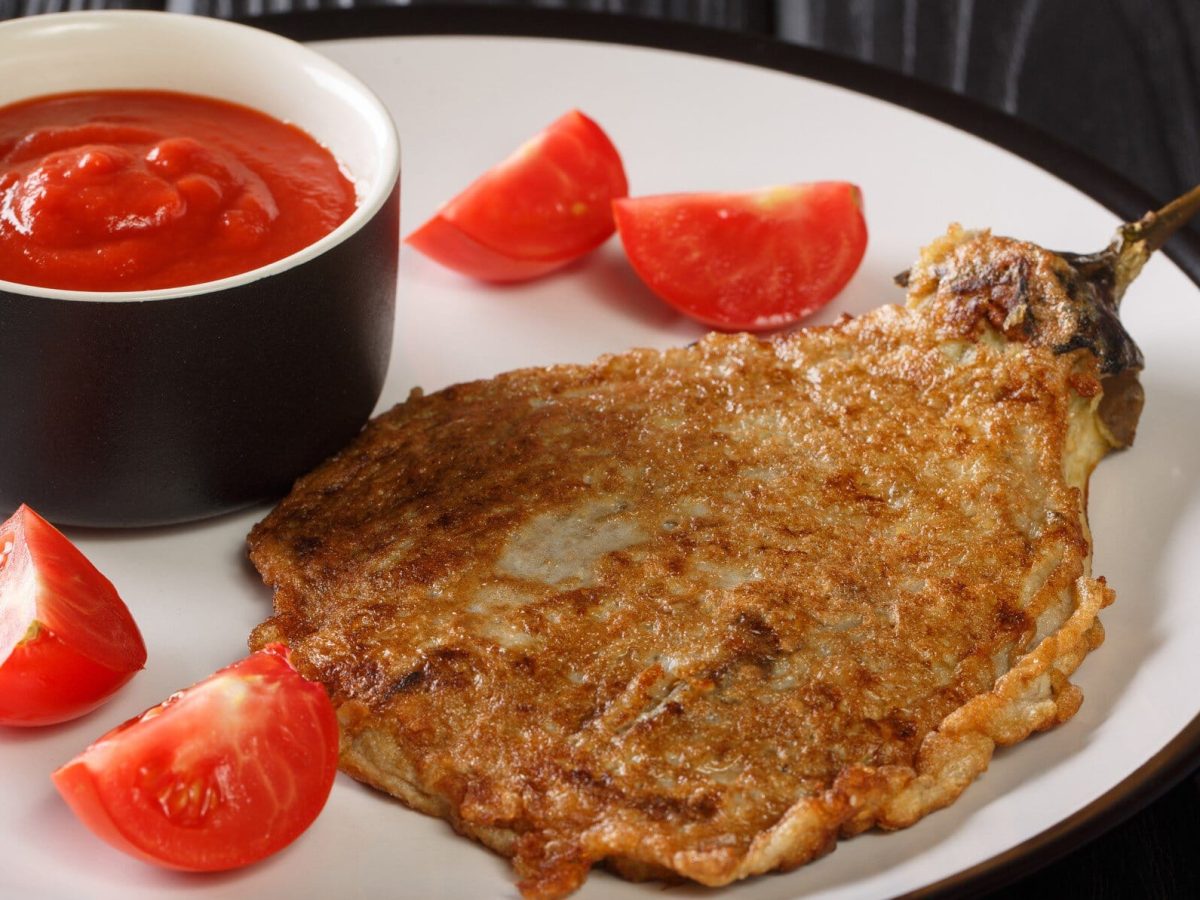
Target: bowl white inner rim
369,203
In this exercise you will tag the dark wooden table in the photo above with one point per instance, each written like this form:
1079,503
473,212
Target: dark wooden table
1118,80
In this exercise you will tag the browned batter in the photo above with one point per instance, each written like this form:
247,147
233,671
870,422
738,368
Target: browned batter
698,612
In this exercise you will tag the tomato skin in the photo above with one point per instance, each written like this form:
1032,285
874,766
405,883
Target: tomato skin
218,776
753,261
546,205
441,240
34,691
67,641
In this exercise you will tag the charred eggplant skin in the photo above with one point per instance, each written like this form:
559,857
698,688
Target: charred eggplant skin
1090,319
1060,300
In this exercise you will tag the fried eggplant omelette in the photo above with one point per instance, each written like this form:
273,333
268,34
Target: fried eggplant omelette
699,612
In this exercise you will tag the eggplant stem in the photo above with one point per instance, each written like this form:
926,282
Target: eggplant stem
1155,227
1136,241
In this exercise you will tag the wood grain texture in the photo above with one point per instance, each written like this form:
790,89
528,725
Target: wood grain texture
1117,79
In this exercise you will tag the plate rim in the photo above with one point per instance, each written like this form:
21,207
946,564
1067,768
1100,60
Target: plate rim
1175,760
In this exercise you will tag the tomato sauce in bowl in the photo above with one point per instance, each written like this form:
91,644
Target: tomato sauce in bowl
132,190
197,301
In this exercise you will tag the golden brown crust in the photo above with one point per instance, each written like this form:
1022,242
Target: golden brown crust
702,611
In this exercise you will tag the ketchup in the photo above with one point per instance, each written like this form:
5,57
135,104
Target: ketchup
137,190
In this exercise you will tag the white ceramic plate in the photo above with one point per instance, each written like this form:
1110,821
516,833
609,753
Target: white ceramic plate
682,122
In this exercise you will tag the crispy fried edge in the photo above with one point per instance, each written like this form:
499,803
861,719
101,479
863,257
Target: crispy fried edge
1032,696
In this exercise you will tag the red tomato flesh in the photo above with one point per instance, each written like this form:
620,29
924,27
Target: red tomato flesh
546,205
751,261
218,776
67,642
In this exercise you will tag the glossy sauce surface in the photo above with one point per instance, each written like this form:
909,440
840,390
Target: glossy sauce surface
138,190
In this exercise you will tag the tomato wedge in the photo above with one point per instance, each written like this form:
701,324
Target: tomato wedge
546,205
218,776
750,261
67,642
